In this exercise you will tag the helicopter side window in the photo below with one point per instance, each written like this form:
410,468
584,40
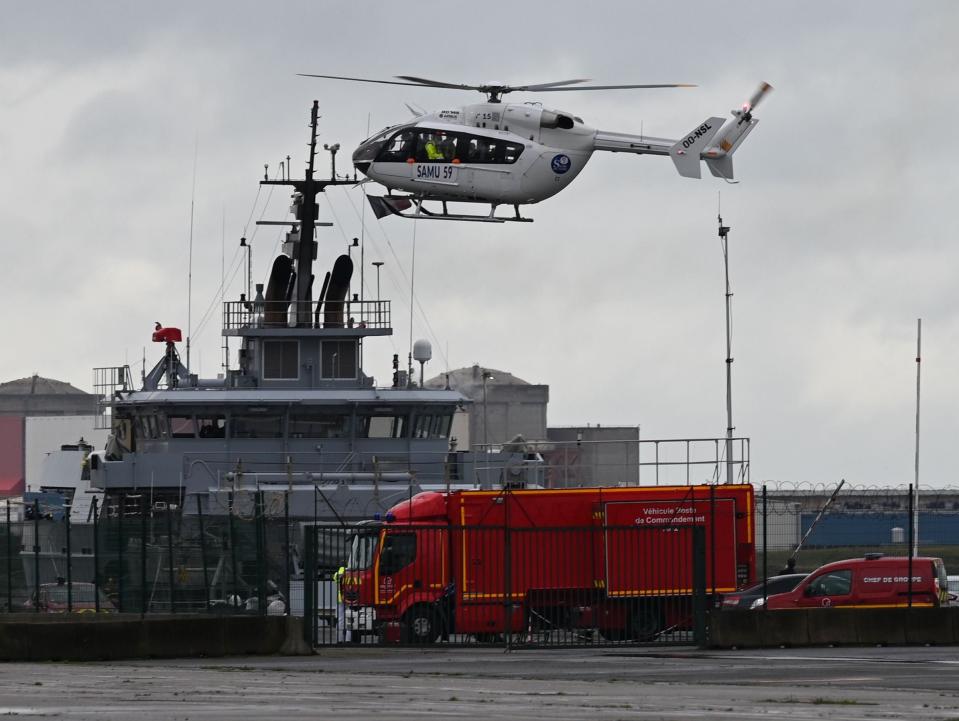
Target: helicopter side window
435,147
399,148
511,152
491,150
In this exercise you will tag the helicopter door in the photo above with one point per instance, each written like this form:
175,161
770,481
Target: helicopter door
397,156
489,174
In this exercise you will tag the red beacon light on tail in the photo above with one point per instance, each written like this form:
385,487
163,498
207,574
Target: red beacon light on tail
167,335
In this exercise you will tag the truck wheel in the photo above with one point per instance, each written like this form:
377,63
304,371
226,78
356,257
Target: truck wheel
646,622
421,625
613,634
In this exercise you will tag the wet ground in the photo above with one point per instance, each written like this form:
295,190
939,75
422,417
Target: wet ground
392,683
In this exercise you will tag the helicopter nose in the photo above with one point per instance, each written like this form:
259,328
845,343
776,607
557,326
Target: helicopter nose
362,167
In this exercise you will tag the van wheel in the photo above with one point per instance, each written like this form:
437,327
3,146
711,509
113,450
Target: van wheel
646,622
421,625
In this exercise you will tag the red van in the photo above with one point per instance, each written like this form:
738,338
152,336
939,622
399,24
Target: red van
875,581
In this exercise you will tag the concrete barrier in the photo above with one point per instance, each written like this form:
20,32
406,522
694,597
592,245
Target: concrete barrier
827,626
82,637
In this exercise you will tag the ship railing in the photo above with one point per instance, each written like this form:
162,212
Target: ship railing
108,383
628,462
242,315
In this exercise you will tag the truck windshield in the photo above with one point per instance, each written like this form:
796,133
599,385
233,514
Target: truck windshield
362,551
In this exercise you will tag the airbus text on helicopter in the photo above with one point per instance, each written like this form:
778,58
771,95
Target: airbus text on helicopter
518,153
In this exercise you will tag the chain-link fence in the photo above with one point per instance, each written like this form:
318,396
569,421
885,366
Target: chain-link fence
815,525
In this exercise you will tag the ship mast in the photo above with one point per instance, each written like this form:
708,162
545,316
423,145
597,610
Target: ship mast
306,220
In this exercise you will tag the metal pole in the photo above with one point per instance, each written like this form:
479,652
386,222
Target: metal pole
9,563
233,547
36,555
144,509
206,579
765,547
169,545
508,571
915,508
911,540
485,414
260,553
122,503
286,551
96,556
309,584
378,264
66,518
712,538
724,238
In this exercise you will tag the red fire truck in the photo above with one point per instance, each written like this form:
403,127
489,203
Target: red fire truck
619,560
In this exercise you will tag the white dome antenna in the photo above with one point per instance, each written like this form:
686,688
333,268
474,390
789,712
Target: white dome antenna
422,352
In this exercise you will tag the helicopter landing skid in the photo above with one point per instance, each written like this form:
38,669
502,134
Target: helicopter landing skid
400,204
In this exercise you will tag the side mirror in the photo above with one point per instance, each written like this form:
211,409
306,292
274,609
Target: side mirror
807,591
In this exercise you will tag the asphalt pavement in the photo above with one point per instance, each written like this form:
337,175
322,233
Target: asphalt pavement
394,683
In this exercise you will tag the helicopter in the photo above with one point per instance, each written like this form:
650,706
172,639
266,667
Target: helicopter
517,154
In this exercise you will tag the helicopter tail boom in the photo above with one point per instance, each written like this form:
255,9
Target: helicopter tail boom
711,141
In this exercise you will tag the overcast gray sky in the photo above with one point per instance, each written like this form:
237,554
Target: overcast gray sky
843,227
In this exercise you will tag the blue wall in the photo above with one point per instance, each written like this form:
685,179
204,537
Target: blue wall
875,529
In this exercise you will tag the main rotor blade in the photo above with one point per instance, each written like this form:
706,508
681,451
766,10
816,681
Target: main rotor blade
435,83
616,87
358,80
543,86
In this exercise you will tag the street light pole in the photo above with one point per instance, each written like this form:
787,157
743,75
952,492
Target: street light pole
724,239
487,376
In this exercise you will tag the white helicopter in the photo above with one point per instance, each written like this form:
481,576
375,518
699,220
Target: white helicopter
517,153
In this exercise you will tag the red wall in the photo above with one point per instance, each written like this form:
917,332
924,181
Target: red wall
11,455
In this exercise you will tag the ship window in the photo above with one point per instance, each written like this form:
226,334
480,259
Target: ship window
424,425
211,426
151,427
281,359
428,426
339,359
435,146
399,148
441,426
399,551
318,425
256,427
140,427
383,427
182,426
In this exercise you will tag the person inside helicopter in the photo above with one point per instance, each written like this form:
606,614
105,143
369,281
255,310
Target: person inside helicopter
435,147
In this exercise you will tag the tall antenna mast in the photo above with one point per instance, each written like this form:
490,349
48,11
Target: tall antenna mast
189,276
306,215
724,239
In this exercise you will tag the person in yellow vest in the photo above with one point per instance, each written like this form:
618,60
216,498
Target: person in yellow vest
433,151
342,634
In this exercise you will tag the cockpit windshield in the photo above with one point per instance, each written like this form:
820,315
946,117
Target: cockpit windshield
370,148
362,551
